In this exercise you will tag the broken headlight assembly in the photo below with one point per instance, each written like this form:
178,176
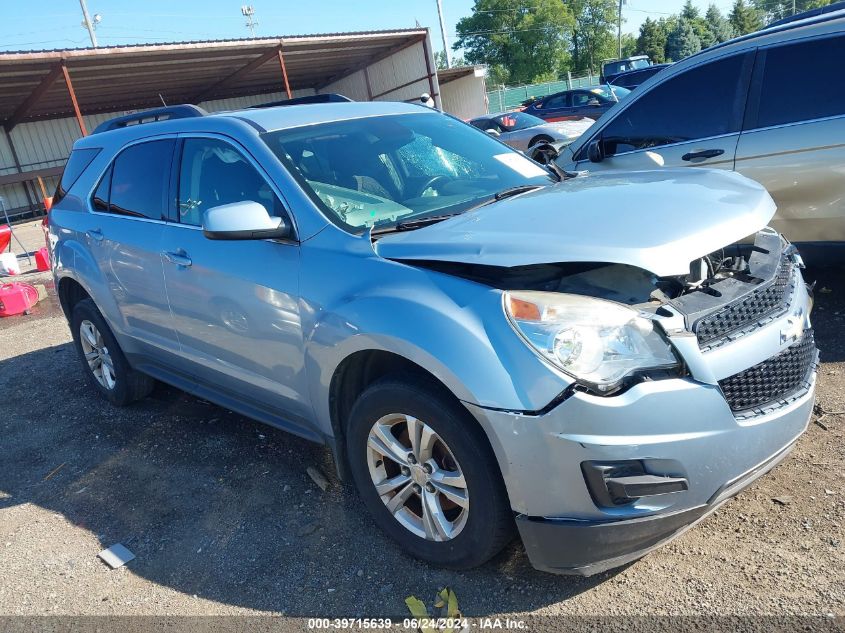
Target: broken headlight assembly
602,344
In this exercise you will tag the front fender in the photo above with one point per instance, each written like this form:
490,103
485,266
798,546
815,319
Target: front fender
453,328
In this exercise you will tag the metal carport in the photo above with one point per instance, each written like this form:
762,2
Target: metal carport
49,98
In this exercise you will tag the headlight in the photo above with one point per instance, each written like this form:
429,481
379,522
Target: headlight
598,342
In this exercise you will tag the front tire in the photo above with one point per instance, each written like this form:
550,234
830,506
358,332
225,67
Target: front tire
102,360
427,474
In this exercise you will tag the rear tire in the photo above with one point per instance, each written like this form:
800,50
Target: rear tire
459,531
102,360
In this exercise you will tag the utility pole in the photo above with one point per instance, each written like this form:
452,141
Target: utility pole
248,11
87,23
619,28
443,33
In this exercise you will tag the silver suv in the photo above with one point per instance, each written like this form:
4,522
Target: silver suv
481,344
768,105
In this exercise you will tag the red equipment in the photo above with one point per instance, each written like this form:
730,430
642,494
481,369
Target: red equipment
42,259
5,237
17,298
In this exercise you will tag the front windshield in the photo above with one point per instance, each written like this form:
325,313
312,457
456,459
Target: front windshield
513,121
382,170
624,65
605,91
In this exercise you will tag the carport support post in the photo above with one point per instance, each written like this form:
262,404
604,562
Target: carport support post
74,101
284,72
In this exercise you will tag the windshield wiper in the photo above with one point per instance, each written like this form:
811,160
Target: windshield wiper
409,225
515,191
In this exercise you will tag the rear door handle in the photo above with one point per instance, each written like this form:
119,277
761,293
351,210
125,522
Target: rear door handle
95,234
180,259
705,153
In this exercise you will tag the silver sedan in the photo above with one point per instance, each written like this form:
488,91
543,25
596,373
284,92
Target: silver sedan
522,131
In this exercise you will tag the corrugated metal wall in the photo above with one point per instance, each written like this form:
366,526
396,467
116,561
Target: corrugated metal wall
388,76
466,97
47,143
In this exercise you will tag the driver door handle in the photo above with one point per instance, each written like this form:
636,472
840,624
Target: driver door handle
704,153
180,259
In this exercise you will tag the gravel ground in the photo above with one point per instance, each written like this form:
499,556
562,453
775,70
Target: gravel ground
223,518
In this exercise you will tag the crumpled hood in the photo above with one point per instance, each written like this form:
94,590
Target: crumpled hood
659,221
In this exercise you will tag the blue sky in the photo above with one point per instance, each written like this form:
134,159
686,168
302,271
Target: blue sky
37,24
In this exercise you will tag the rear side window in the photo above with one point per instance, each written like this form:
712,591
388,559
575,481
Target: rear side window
820,92
139,181
100,201
701,102
77,163
560,101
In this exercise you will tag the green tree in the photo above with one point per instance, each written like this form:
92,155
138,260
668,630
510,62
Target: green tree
523,43
629,45
594,36
745,18
719,27
440,60
682,41
652,40
692,15
772,10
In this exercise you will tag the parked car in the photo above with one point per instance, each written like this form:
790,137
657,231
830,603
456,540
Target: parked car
574,104
611,68
634,78
523,131
480,344
792,143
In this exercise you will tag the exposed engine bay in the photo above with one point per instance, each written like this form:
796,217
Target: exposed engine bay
714,279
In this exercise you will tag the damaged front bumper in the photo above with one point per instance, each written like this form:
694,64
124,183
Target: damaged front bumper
598,481
675,429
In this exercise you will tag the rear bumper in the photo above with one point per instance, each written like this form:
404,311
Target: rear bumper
585,548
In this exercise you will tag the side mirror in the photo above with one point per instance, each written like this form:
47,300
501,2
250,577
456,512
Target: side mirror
245,220
493,132
595,151
593,102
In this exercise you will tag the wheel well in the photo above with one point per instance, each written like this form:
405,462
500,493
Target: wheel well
353,376
540,138
70,293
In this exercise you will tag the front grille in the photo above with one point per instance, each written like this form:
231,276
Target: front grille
767,302
780,379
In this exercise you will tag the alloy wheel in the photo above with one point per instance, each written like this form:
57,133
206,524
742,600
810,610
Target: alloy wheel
417,477
97,354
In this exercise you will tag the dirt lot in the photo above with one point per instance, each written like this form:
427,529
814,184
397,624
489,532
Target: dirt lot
223,518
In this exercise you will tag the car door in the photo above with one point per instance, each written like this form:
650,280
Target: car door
555,108
588,104
128,218
235,304
691,119
794,138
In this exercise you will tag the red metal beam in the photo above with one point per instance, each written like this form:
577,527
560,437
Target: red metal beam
243,70
284,72
74,101
434,97
369,62
404,85
367,81
22,110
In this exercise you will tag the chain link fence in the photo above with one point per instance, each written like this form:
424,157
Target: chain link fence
505,98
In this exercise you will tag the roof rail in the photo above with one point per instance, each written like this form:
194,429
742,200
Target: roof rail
186,111
329,97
